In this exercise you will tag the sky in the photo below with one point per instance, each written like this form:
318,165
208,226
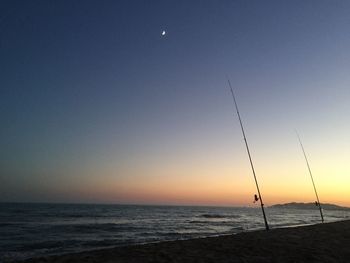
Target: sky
97,106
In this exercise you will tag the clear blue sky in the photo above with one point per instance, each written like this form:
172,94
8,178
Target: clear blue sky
97,106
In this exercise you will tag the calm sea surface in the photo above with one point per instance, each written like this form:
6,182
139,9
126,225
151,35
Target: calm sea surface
30,230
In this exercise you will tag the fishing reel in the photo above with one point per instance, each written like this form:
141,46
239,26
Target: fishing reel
256,199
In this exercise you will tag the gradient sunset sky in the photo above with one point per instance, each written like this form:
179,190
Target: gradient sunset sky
97,106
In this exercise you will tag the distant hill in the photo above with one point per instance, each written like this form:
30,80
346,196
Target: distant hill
295,205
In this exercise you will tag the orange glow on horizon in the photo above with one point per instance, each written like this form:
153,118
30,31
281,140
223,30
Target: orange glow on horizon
209,190
214,181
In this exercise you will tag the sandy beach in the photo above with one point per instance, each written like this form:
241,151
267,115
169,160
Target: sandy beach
329,242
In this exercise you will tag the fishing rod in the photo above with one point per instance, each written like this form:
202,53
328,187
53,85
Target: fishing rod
312,179
250,158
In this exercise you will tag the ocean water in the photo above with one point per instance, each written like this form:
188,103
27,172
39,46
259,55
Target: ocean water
31,230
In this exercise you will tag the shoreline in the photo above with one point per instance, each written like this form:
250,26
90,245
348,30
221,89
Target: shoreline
327,242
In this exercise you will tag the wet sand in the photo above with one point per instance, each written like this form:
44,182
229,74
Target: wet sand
329,242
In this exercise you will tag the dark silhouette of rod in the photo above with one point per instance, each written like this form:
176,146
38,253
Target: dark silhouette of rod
312,179
250,158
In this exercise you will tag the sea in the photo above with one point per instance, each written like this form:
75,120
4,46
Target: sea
32,230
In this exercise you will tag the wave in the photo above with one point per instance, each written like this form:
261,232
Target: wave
95,228
44,245
219,216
